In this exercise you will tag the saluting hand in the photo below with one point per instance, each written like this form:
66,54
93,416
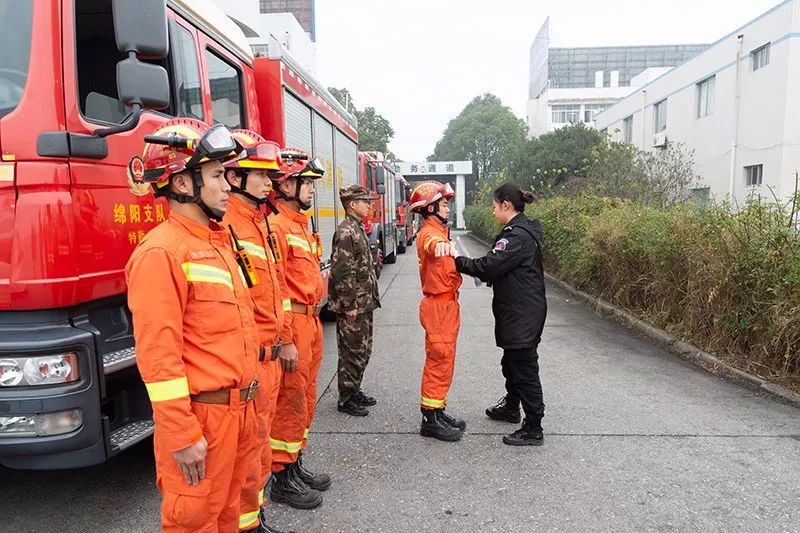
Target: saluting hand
192,461
288,357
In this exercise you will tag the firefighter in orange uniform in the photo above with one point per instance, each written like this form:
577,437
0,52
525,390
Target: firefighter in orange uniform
250,181
301,337
439,311
196,336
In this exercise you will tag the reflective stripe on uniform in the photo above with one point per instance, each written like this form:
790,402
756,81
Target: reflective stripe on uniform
254,249
248,520
197,272
305,434
171,389
261,498
298,242
429,402
287,305
282,445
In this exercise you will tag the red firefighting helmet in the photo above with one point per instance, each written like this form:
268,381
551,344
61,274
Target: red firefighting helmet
258,154
429,192
181,144
297,163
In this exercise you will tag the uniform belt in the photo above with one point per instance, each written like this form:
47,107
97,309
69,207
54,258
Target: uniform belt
305,309
274,351
449,296
223,396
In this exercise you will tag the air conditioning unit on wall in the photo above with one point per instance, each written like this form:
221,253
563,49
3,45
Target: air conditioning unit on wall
660,140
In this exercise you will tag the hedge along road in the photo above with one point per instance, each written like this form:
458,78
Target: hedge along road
636,440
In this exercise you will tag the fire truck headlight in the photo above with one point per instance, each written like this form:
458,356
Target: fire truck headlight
41,425
10,373
43,370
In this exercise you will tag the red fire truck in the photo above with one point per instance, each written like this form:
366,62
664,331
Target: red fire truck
378,176
403,216
79,84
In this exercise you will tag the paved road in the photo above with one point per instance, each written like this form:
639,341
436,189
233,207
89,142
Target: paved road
636,440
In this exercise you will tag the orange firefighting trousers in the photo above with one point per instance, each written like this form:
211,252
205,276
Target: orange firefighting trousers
253,497
441,318
213,505
297,397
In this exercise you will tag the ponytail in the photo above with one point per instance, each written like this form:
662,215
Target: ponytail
512,193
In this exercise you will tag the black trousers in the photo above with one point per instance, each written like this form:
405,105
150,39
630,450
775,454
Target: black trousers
521,370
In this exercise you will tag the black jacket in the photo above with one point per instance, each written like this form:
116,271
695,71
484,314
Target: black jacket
514,270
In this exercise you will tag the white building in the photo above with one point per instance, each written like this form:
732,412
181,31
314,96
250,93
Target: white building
258,27
737,105
569,85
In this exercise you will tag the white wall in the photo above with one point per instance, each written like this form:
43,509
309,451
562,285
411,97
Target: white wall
765,107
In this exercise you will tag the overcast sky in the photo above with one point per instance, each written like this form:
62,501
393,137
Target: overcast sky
419,62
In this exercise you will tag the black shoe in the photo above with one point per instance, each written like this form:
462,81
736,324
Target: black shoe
528,435
287,489
434,425
264,528
363,399
318,482
504,412
454,421
352,408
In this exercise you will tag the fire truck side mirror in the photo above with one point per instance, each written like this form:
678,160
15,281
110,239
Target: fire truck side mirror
141,83
381,189
380,175
140,28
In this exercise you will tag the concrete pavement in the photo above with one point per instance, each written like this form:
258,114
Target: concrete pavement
635,440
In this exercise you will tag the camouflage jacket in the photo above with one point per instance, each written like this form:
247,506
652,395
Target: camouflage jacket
353,284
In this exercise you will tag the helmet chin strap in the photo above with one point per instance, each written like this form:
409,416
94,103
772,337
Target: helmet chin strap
435,211
242,189
296,198
197,179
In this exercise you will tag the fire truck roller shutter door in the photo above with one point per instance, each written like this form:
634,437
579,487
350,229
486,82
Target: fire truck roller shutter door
346,162
326,191
298,122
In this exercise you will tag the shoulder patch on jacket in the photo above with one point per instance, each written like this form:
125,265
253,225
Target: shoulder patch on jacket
500,245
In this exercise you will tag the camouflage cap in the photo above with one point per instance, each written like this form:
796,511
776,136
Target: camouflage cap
353,192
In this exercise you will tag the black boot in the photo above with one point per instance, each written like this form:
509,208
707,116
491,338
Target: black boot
286,488
363,399
434,425
352,407
263,527
504,412
318,482
454,421
530,434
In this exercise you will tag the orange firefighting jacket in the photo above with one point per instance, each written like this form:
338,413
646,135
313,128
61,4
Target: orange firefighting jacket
193,321
438,274
299,273
251,230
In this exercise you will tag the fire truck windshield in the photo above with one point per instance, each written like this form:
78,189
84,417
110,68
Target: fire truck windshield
15,44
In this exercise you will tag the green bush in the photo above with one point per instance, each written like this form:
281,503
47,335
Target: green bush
725,280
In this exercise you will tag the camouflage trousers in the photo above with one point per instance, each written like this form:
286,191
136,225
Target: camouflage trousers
355,347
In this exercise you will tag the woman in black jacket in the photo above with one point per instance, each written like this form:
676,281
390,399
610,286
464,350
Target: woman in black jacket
514,270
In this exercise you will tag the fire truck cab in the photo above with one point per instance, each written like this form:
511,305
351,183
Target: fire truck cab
81,83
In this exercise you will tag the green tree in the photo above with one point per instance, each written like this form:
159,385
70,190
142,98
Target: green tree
483,132
547,162
374,130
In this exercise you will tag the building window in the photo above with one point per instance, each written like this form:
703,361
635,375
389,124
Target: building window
627,129
705,97
753,175
590,111
660,116
566,114
760,57
226,91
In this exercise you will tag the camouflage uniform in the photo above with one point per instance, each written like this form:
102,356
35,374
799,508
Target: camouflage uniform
353,285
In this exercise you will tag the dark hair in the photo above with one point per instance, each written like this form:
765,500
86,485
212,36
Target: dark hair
512,193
